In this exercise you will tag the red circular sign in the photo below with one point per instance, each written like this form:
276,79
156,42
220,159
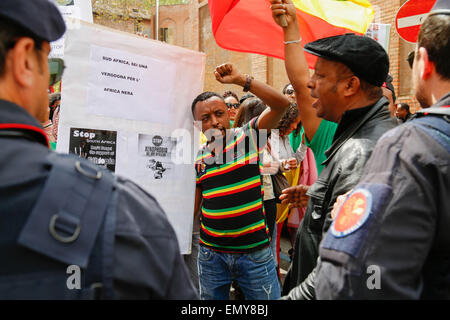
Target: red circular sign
410,16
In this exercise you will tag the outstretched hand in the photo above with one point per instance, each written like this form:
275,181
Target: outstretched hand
295,196
228,73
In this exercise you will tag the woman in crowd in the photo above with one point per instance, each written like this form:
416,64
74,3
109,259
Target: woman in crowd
232,102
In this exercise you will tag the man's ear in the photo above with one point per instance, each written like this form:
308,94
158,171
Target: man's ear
426,66
352,85
23,62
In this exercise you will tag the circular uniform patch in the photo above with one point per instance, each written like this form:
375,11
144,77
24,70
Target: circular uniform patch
352,214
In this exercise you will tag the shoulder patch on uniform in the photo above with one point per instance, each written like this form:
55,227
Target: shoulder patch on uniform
356,220
353,213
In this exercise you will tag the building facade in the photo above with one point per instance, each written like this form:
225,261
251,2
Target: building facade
271,70
187,23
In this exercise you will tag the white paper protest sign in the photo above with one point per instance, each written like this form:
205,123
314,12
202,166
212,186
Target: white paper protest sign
72,11
125,85
126,106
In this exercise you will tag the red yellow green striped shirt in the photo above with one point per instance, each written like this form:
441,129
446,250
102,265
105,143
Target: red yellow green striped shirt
233,217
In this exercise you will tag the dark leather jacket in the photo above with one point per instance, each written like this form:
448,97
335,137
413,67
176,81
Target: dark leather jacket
356,137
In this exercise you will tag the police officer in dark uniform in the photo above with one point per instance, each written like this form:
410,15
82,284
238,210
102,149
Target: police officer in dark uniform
68,229
347,80
390,237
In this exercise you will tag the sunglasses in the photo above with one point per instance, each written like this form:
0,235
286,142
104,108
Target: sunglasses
56,69
410,58
289,91
233,105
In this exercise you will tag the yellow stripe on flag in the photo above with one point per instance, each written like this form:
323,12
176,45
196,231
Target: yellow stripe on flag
354,15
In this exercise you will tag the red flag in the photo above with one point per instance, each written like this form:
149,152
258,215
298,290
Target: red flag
248,26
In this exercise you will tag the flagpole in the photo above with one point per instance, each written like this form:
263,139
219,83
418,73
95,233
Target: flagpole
157,19
283,20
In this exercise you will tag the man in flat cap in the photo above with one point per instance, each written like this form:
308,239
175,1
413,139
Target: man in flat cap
390,238
68,229
346,89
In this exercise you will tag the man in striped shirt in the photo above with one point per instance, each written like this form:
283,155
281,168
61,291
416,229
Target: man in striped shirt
234,242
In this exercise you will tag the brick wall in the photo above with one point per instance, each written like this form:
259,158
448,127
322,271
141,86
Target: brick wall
385,12
175,17
215,56
265,69
272,71
191,25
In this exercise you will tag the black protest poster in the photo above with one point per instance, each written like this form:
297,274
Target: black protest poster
98,146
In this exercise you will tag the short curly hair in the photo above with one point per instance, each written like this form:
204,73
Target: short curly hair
203,97
404,106
228,93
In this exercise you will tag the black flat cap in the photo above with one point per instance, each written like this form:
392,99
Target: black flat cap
40,17
363,55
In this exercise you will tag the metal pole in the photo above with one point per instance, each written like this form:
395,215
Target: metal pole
157,19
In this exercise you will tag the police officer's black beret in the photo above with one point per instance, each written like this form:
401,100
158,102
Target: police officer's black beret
363,55
40,17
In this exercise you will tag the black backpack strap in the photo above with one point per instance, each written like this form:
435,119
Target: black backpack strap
68,215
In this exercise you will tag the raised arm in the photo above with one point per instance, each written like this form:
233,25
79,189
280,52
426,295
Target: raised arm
276,101
296,65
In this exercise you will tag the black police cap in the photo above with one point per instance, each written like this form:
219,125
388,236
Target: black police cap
40,17
363,55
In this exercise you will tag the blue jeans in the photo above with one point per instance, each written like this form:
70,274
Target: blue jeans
254,272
